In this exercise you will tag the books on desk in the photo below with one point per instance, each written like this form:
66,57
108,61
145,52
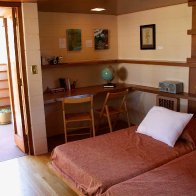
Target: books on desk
109,85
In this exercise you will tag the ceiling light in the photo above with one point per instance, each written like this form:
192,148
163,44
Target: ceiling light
97,9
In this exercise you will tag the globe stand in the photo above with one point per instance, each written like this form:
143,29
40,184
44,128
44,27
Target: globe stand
109,85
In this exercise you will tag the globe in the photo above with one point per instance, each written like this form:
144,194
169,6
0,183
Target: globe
107,74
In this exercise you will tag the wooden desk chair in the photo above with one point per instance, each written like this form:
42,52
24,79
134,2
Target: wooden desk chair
114,104
70,118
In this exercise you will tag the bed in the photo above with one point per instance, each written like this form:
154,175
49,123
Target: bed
175,178
93,165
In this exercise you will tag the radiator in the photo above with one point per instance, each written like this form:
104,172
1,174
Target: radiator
168,102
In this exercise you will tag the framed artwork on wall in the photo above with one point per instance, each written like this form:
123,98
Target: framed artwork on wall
147,37
74,42
101,39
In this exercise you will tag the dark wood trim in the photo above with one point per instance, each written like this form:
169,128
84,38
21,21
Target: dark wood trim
25,83
192,61
191,3
10,4
191,32
150,62
192,65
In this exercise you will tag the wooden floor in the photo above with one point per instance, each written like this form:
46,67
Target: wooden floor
30,176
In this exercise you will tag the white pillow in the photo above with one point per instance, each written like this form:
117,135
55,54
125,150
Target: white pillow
164,125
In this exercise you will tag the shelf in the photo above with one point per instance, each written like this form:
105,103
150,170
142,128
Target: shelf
79,63
148,62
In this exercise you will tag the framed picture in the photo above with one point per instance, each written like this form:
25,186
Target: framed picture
74,39
147,37
101,39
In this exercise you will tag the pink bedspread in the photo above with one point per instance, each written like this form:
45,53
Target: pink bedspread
177,178
95,164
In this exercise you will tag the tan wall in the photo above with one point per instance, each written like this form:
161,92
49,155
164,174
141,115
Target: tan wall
173,44
172,40
53,27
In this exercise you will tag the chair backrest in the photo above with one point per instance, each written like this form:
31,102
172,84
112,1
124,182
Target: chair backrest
121,96
80,99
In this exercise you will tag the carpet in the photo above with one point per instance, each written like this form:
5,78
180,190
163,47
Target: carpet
8,148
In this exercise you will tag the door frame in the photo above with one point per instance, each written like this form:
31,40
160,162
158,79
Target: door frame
28,141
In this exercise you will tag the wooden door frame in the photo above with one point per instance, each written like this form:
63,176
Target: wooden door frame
26,117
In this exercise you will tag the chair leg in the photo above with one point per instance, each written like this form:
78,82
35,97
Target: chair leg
93,122
128,121
65,131
93,127
108,117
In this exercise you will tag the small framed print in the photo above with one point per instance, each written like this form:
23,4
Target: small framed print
74,42
147,37
101,39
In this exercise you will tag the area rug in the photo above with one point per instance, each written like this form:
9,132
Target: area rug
8,149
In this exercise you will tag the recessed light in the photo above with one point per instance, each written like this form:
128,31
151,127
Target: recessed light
97,9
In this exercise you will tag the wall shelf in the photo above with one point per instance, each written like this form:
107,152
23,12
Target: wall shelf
148,62
81,63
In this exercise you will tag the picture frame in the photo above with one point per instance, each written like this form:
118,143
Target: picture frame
101,37
74,41
148,37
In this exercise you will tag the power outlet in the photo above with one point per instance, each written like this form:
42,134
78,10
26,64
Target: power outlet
34,69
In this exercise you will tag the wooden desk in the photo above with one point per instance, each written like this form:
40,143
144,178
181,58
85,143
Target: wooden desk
94,90
53,107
